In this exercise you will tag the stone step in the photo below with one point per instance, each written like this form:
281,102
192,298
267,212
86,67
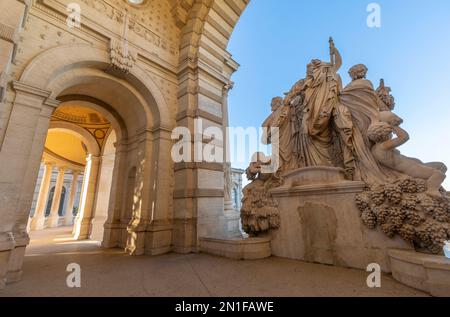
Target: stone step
238,248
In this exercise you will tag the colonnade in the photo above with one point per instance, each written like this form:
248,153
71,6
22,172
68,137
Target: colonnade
40,220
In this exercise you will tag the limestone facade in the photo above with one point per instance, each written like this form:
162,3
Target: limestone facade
146,68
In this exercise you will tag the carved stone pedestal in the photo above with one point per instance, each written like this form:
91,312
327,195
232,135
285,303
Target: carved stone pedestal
15,264
7,245
320,222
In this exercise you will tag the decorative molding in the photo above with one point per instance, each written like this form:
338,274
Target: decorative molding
52,102
122,59
347,187
194,114
217,167
198,193
28,89
3,83
53,158
141,29
180,11
7,33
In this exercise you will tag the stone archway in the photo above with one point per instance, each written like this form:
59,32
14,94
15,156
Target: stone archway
202,77
70,164
143,140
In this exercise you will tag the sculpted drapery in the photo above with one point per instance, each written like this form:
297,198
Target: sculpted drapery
325,136
320,123
278,126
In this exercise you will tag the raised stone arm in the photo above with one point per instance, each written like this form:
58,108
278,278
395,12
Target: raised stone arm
402,138
336,58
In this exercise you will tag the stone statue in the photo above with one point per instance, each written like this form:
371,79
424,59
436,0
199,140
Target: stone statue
321,124
295,99
326,125
259,212
280,119
362,100
385,152
385,95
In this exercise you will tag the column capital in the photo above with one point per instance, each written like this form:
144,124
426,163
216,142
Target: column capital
19,86
24,89
49,163
76,173
93,158
62,168
228,86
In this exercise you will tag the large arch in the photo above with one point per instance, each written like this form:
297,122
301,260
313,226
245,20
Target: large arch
76,130
56,69
138,109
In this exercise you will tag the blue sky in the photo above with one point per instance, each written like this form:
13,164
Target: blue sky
275,39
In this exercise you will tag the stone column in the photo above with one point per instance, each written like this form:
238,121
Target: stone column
12,15
20,158
138,198
232,216
38,221
158,238
112,232
150,230
82,227
70,203
53,218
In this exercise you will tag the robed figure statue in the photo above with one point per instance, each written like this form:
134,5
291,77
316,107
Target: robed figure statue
326,124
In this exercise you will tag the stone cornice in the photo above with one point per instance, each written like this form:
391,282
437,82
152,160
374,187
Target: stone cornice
198,113
198,193
57,160
346,187
31,90
218,167
21,87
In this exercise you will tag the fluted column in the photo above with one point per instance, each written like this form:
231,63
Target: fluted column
38,221
70,203
53,218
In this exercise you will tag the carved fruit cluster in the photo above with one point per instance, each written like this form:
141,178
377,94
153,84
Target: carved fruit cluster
259,212
403,208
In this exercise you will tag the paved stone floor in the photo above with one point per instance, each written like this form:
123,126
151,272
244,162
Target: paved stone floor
113,273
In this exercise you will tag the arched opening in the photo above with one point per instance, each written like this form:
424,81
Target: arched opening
121,123
76,135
